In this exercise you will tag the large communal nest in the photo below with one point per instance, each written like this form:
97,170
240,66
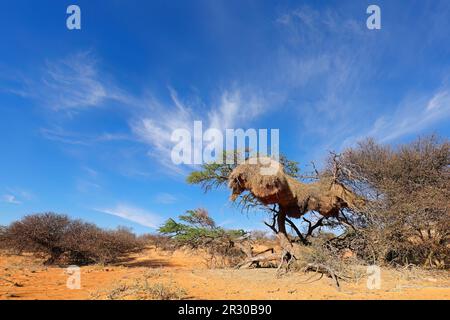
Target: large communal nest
268,183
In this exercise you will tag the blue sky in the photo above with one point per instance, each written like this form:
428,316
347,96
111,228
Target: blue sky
86,115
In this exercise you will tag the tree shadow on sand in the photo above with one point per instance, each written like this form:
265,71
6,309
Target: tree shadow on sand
131,262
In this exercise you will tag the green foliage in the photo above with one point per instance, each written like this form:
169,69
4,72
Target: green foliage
214,175
199,218
290,167
198,229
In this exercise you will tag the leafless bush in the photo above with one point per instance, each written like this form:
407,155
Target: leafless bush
63,240
261,236
357,243
323,259
3,238
160,241
41,234
407,218
221,253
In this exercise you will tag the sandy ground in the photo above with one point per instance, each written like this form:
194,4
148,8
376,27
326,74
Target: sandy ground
24,277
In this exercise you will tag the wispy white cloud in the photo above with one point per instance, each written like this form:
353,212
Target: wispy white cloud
134,214
441,100
77,83
319,62
21,193
71,84
15,195
155,126
165,198
91,172
333,56
11,199
61,135
411,116
309,26
236,108
86,186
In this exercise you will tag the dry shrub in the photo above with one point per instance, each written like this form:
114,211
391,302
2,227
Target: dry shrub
358,244
161,291
41,234
320,257
62,240
3,238
221,253
141,289
415,277
408,218
160,241
262,237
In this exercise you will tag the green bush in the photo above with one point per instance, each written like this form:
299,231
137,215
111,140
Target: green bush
200,231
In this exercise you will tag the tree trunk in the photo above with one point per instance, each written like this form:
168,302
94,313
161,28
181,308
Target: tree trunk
281,220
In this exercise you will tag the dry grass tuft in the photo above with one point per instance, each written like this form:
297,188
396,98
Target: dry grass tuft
142,289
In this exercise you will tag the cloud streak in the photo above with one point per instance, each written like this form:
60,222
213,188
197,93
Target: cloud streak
412,116
71,84
327,63
155,126
11,199
320,63
133,214
165,198
76,84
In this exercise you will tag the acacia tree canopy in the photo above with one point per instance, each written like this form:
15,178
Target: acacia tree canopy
215,175
195,228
